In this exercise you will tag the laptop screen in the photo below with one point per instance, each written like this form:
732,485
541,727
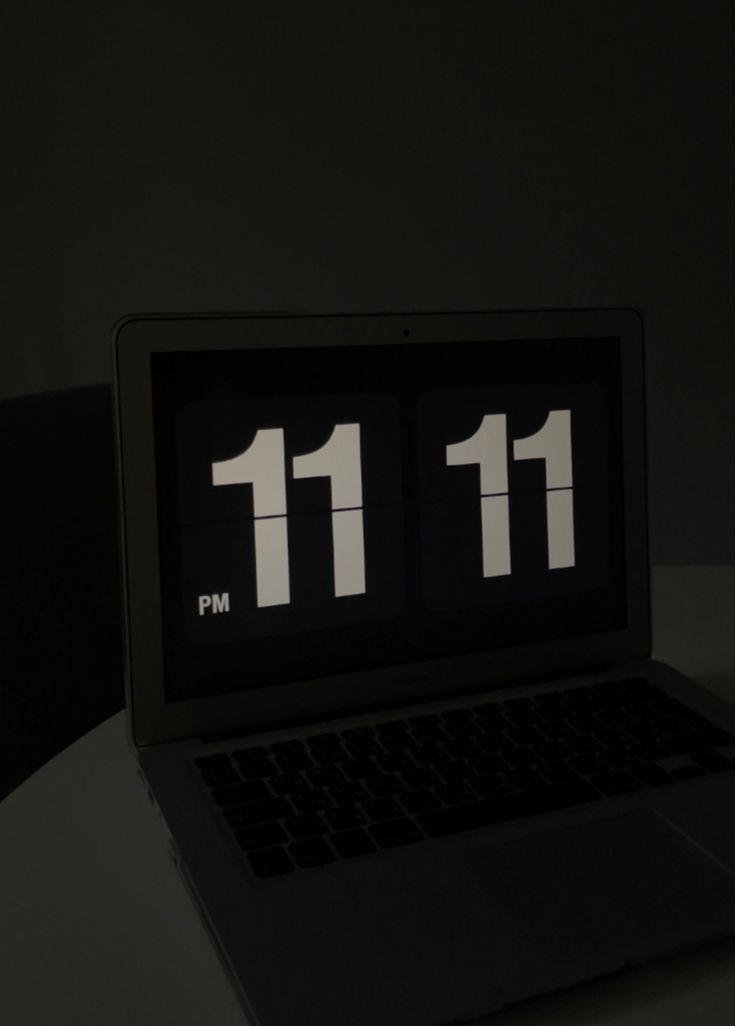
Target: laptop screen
329,510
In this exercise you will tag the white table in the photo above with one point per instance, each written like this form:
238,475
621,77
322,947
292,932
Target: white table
96,928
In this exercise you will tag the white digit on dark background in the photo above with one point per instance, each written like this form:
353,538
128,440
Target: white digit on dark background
263,465
339,459
488,449
553,444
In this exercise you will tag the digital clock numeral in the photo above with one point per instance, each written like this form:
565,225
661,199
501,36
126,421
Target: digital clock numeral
553,444
487,448
263,465
339,460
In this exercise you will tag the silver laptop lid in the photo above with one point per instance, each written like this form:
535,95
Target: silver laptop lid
328,513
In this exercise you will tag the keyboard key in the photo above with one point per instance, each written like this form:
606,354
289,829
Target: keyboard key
489,784
240,794
455,794
695,741
550,751
313,852
523,717
270,862
457,715
378,809
491,716
395,832
523,779
293,745
520,757
651,774
487,762
422,776
689,772
588,764
495,741
383,785
610,737
552,712
397,742
307,825
258,768
324,742
395,762
619,758
351,843
391,727
583,744
344,816
424,720
649,750
505,807
218,759
556,729
486,812
325,776
567,793
419,801
365,731
294,759
218,776
288,783
587,722
559,772
361,746
311,801
261,835
428,755
249,754
713,761
358,769
454,771
238,816
350,791
459,747
526,735
616,782
262,812
330,756
430,734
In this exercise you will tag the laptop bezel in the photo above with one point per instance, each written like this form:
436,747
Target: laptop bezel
150,718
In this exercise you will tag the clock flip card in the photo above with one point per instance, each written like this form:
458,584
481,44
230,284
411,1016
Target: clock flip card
291,514
513,493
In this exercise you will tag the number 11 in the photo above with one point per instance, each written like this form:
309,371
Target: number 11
263,465
487,447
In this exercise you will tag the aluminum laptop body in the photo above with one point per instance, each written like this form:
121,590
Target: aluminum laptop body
419,541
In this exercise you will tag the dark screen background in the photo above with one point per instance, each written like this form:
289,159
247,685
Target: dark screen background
425,395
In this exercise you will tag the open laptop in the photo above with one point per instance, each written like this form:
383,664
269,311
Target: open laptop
388,659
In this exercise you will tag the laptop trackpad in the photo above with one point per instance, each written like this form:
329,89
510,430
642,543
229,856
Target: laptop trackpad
624,883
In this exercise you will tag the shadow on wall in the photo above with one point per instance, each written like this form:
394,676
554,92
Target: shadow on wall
61,668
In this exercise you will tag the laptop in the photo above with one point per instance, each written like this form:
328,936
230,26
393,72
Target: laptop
388,659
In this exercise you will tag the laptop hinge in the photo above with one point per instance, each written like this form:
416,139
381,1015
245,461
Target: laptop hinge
401,703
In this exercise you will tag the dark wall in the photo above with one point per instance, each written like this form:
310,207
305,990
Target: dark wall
389,156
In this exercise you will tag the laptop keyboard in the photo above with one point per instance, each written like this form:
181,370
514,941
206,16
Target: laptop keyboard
293,805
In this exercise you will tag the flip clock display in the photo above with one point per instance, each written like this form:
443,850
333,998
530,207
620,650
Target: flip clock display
299,514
